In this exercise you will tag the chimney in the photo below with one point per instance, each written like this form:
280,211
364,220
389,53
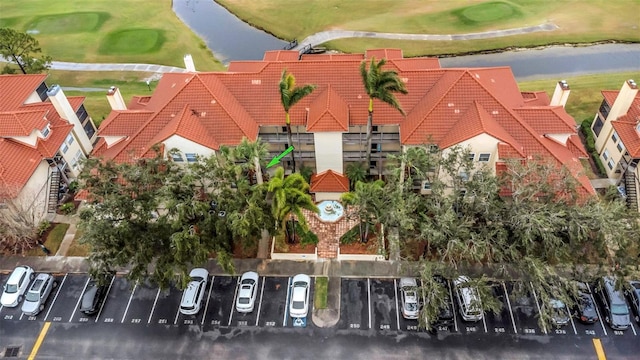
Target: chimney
64,109
115,99
560,94
188,63
623,102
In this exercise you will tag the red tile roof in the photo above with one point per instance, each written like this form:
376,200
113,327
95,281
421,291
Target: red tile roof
443,106
328,112
19,160
626,125
329,181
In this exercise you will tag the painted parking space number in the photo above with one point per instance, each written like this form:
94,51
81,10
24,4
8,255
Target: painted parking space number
561,332
529,331
354,326
270,323
590,332
471,329
499,330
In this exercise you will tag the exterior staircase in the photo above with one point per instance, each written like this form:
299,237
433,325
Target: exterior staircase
631,185
54,188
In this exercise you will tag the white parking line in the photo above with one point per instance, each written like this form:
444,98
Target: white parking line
55,297
484,322
395,286
593,299
634,329
153,308
21,315
129,302
104,300
453,306
206,306
424,301
506,295
369,300
535,297
234,301
79,299
571,318
175,320
260,303
286,305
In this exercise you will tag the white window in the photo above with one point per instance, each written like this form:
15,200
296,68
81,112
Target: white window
610,164
191,157
484,157
69,139
45,132
614,137
620,147
426,185
64,148
177,157
605,155
76,159
472,156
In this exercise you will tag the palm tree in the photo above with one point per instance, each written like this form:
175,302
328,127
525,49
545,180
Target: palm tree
368,199
290,195
289,96
379,85
355,172
253,152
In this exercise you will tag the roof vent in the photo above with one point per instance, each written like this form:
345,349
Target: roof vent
359,96
477,76
213,101
173,115
494,112
203,114
457,111
404,80
256,82
173,85
632,83
450,104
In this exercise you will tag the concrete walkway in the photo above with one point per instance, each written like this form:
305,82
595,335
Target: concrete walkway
324,36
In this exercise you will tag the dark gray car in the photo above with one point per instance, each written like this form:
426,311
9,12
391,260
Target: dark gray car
93,297
633,295
616,312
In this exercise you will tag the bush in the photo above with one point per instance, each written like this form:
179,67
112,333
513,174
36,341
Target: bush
74,186
351,236
585,127
67,208
43,227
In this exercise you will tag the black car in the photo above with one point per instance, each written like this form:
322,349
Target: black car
633,295
585,308
445,316
93,297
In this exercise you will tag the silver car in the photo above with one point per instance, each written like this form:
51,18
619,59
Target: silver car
247,292
38,293
193,294
299,306
409,298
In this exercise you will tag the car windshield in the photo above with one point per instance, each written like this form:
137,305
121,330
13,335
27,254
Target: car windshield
11,288
196,278
619,309
298,304
411,306
243,300
248,281
32,296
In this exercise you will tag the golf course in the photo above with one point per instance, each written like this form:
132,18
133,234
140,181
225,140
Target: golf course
137,31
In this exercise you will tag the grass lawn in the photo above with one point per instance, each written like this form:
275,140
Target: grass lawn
585,97
320,295
54,238
594,21
77,249
123,31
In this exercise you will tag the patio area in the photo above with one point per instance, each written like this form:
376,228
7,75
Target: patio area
329,233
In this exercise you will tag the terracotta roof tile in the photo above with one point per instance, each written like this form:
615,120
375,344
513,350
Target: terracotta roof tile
536,98
328,112
548,119
329,181
629,136
332,57
22,123
388,54
281,55
15,89
123,122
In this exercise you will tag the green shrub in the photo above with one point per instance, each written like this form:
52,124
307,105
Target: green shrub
67,208
351,236
585,127
306,237
74,186
43,227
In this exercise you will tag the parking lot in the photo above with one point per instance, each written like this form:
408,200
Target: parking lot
367,304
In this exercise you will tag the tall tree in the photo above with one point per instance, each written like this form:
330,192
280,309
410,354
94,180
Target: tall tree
355,172
289,196
367,199
253,153
290,94
382,85
22,49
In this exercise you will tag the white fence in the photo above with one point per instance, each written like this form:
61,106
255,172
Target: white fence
360,257
292,256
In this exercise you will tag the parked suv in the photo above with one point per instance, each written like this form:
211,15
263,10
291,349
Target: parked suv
193,294
468,299
615,308
15,287
633,295
409,298
37,295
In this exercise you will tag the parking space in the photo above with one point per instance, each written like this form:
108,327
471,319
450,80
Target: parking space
167,303
354,304
273,305
114,305
195,319
141,303
288,320
525,308
502,322
405,324
384,311
221,299
631,331
67,298
9,313
252,318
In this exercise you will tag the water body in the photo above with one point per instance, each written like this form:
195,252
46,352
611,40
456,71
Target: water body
229,38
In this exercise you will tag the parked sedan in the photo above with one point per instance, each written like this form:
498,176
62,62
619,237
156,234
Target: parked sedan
585,309
559,313
633,296
247,293
193,294
38,293
409,298
15,287
94,296
445,316
299,306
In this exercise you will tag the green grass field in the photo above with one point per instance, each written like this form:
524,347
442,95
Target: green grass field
123,31
580,21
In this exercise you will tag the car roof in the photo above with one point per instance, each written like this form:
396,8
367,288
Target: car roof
189,296
200,272
249,275
17,273
302,277
408,281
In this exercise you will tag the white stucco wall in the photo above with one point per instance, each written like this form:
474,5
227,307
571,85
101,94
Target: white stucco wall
186,146
71,153
321,196
328,150
34,195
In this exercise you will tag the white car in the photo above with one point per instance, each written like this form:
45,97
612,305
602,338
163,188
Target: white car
247,293
38,293
15,287
193,294
468,297
299,306
409,298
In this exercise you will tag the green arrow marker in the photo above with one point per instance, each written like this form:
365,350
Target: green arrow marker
276,159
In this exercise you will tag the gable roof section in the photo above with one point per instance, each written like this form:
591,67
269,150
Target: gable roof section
21,123
626,125
15,174
15,89
187,124
329,181
548,119
123,122
389,54
328,112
